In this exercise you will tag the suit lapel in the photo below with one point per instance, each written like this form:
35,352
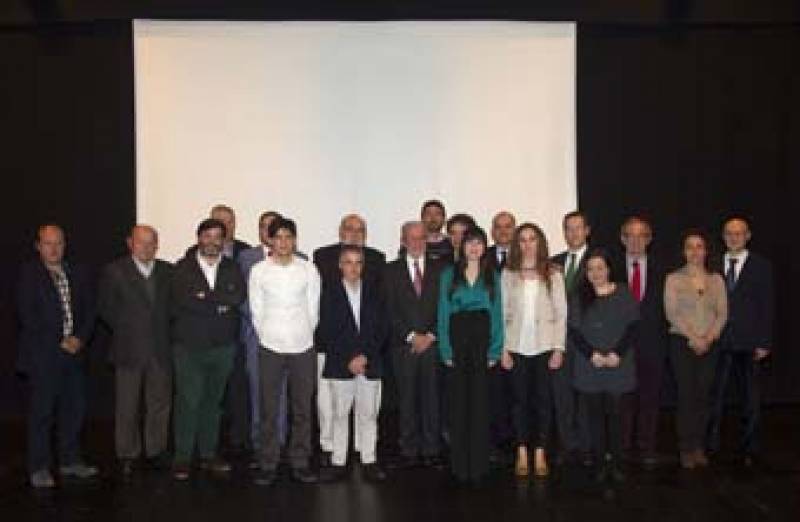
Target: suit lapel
136,279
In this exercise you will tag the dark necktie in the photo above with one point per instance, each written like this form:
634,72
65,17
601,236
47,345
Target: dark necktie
417,278
503,256
730,275
569,277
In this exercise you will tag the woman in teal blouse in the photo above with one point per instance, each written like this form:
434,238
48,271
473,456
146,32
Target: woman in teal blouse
470,335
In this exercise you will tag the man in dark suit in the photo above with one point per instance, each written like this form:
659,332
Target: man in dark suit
237,413
246,260
206,291
500,387
133,302
352,331
352,231
644,276
411,290
746,340
433,215
571,415
56,312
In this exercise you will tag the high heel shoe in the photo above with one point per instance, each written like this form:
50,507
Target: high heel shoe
540,468
521,466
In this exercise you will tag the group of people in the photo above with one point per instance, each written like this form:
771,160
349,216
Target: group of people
476,351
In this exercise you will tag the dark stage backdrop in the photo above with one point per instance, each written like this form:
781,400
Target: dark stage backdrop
683,122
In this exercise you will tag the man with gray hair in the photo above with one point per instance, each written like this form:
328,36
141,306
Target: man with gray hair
352,231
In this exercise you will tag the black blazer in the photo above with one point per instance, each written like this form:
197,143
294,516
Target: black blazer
327,260
42,317
562,258
651,332
342,340
140,324
750,307
407,312
204,318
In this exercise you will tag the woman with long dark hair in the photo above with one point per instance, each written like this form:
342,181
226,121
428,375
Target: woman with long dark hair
470,335
535,315
601,328
696,305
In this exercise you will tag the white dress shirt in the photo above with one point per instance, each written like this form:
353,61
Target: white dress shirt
353,292
144,268
527,335
209,269
741,259
410,261
284,304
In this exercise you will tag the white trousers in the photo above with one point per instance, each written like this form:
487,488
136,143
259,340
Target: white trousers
324,407
366,394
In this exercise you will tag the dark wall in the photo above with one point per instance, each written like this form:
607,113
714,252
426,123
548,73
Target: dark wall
682,122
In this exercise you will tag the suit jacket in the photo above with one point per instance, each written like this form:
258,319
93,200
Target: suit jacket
562,259
139,322
239,246
204,318
246,260
750,307
651,334
327,260
493,262
41,316
342,340
407,312
550,311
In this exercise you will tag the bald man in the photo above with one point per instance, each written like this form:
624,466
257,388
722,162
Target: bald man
56,313
133,302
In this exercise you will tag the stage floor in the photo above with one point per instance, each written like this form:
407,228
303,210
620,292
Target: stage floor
725,492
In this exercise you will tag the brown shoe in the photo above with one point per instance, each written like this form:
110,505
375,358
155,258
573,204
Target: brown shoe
540,468
521,466
700,458
687,460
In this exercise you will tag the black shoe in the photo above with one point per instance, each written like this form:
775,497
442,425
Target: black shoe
587,459
333,474
431,462
126,467
649,460
265,477
373,473
160,462
615,473
325,459
214,465
406,462
304,476
601,473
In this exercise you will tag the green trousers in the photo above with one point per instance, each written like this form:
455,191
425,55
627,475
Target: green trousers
200,380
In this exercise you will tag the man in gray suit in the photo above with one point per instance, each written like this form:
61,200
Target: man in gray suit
134,296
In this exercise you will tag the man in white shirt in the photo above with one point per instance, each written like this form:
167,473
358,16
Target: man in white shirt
284,292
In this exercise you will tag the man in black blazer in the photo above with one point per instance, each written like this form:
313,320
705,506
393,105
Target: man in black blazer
501,430
134,295
746,340
206,291
644,275
352,231
411,290
352,330
571,415
56,312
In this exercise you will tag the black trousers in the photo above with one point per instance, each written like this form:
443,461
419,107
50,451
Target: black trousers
469,395
532,410
501,401
740,368
641,407
605,422
301,373
572,416
416,376
56,389
694,376
237,402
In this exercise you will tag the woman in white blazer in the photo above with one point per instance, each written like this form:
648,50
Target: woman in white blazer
535,316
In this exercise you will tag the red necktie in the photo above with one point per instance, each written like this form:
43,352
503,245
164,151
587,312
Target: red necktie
417,278
636,282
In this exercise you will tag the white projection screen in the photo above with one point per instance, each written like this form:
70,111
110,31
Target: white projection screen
319,119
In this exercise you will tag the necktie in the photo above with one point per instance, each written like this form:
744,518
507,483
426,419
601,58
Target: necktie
569,277
636,282
417,278
503,256
730,275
